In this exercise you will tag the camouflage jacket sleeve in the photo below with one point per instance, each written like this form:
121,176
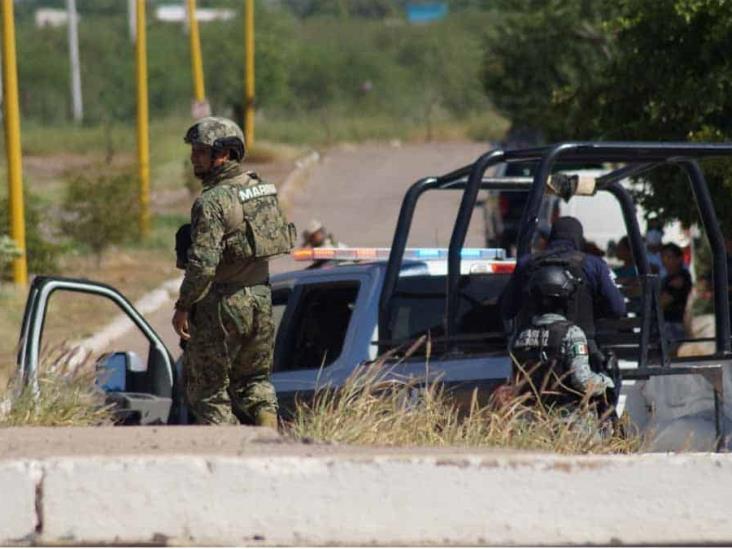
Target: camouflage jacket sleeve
583,378
207,231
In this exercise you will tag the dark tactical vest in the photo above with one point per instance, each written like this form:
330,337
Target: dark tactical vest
580,305
264,231
541,366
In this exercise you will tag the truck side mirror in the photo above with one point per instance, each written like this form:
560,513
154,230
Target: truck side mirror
112,370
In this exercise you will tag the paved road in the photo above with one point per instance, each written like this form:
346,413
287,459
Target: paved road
357,191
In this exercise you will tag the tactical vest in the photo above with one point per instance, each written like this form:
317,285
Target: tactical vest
580,305
540,358
264,232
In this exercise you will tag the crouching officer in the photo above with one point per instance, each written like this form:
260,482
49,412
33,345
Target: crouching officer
551,357
224,309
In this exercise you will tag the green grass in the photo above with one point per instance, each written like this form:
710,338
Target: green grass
162,234
333,127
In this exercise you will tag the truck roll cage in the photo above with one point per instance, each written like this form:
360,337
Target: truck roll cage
456,180
640,158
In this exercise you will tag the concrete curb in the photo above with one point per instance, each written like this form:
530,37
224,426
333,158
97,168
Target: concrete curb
298,176
365,497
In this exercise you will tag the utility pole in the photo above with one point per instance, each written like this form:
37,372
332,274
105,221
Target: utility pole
200,106
76,100
131,19
143,142
12,143
249,69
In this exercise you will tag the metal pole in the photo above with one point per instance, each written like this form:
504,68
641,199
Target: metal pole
199,93
132,19
12,143
398,245
76,99
249,68
719,254
143,145
459,232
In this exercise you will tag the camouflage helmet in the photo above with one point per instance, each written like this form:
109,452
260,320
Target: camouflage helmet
218,133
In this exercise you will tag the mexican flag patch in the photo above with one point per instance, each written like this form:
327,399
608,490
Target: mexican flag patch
579,349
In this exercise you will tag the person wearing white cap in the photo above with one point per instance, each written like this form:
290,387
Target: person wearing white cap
316,236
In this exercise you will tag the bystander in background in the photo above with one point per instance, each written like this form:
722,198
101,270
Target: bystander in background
675,289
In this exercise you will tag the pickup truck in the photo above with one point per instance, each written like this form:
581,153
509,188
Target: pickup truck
326,326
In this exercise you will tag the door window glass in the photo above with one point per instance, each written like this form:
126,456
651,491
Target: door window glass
320,325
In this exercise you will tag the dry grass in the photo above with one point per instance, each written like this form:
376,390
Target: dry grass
372,411
67,395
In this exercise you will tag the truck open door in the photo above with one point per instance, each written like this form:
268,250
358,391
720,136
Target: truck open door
144,391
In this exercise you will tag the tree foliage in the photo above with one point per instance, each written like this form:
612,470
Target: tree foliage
42,248
541,53
627,70
671,80
308,59
102,210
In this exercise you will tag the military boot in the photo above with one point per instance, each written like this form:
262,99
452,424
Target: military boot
266,418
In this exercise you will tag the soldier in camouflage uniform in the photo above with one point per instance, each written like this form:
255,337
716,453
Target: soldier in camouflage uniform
551,354
224,310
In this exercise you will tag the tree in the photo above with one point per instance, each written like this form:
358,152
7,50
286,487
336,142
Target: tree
542,52
670,79
627,70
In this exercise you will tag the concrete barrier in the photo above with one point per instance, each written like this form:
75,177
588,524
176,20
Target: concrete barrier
19,517
333,495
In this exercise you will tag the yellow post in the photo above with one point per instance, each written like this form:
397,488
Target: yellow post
143,143
249,80
12,143
199,93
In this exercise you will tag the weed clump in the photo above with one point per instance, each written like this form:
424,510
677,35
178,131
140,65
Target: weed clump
66,395
372,409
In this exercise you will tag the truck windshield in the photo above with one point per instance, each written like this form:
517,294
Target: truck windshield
418,307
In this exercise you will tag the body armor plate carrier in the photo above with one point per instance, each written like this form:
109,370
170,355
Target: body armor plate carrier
541,365
265,232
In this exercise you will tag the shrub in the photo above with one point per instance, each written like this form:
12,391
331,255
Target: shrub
8,251
41,251
101,211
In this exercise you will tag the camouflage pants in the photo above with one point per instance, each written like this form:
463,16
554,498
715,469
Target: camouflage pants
228,359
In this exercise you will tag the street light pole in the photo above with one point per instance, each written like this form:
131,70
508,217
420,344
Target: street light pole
249,69
200,107
143,144
76,98
131,19
12,143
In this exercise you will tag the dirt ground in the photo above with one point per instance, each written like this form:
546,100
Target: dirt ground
41,442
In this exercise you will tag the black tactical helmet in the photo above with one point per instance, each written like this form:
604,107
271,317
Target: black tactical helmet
552,281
